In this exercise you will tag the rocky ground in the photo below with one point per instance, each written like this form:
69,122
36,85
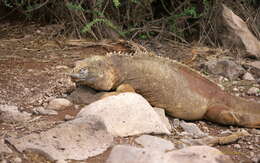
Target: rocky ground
39,124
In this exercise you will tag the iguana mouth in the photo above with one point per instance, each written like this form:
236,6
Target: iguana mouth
82,77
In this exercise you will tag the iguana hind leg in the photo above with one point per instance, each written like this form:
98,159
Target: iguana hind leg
224,115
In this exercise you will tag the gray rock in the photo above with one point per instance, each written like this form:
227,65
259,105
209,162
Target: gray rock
77,139
226,132
128,154
59,104
84,95
161,113
126,114
255,68
18,160
4,148
253,91
237,146
68,117
9,114
42,111
155,143
248,76
176,123
224,67
256,159
193,129
255,131
195,154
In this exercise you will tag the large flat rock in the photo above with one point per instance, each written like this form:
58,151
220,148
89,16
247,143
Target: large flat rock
77,140
194,154
126,114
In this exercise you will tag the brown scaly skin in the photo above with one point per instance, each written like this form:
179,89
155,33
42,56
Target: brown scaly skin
181,91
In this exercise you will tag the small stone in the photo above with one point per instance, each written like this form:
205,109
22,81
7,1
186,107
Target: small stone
161,113
155,143
176,123
59,104
18,160
256,159
62,67
225,67
252,154
68,117
255,131
235,89
42,111
226,132
251,147
253,91
4,161
237,146
9,114
205,129
248,76
193,129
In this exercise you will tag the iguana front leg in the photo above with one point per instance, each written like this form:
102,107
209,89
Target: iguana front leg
225,115
120,89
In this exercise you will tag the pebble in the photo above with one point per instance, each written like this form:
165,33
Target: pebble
253,91
176,123
17,160
248,76
237,146
251,147
235,89
255,131
68,117
251,154
226,132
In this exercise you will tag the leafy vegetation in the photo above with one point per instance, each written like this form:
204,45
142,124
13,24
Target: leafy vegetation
143,19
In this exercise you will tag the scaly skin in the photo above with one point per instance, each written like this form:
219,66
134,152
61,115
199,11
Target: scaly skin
181,91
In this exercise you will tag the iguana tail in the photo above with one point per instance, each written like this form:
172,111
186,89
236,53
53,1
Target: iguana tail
234,110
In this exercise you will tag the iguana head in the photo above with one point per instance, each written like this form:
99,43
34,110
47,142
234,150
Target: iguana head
95,72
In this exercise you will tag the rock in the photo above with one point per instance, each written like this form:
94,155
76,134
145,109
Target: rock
255,131
42,111
68,117
77,140
238,33
126,114
256,159
224,67
84,95
193,129
18,160
9,114
128,154
226,132
4,148
176,123
198,154
59,104
248,76
237,146
161,113
251,147
253,91
254,68
194,154
155,143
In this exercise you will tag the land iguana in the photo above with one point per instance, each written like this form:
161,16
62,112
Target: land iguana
183,92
